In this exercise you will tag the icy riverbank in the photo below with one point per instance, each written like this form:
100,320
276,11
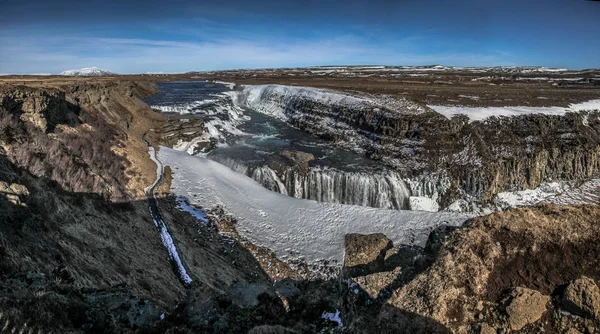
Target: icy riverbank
293,228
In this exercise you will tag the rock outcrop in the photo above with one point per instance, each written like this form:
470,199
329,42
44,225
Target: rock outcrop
365,253
525,306
44,109
178,131
497,273
13,192
582,297
295,162
479,158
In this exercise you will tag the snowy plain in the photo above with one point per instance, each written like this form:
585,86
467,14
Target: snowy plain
481,113
293,228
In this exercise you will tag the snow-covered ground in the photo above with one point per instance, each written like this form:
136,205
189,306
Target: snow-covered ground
293,228
231,85
562,193
87,72
481,113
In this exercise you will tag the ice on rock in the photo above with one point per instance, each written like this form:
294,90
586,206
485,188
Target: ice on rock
418,203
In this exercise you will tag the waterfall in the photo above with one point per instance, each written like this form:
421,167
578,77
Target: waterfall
383,190
380,190
269,179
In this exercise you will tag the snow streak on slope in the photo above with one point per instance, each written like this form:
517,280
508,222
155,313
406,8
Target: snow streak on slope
165,236
481,113
293,228
87,72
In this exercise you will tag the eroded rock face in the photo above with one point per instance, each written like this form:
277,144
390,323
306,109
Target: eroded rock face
365,253
184,130
481,158
13,192
297,161
582,297
539,248
525,307
44,109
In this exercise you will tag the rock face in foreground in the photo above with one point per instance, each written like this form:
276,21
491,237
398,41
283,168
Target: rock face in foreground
365,253
498,273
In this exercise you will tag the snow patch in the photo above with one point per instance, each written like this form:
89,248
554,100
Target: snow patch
335,317
561,193
481,113
418,203
231,85
184,205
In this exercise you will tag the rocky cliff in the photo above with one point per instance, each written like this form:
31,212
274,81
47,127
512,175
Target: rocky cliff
478,159
79,251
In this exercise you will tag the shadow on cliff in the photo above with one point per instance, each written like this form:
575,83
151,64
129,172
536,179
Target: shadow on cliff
77,262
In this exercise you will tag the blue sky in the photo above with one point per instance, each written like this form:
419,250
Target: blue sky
180,36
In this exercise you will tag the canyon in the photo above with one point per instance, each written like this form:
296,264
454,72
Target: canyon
82,253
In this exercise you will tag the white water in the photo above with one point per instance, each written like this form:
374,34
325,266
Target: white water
278,101
386,191
378,190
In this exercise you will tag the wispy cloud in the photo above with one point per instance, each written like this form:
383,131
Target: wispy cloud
123,55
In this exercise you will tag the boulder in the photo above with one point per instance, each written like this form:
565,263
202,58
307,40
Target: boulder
365,254
487,329
582,297
525,307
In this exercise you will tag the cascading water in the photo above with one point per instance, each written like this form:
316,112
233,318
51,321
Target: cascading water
379,190
257,138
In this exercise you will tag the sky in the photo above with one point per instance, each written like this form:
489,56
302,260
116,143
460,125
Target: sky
182,35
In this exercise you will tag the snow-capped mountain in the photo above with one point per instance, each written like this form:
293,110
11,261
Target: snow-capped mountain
87,71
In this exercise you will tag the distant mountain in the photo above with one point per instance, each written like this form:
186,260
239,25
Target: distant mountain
87,72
